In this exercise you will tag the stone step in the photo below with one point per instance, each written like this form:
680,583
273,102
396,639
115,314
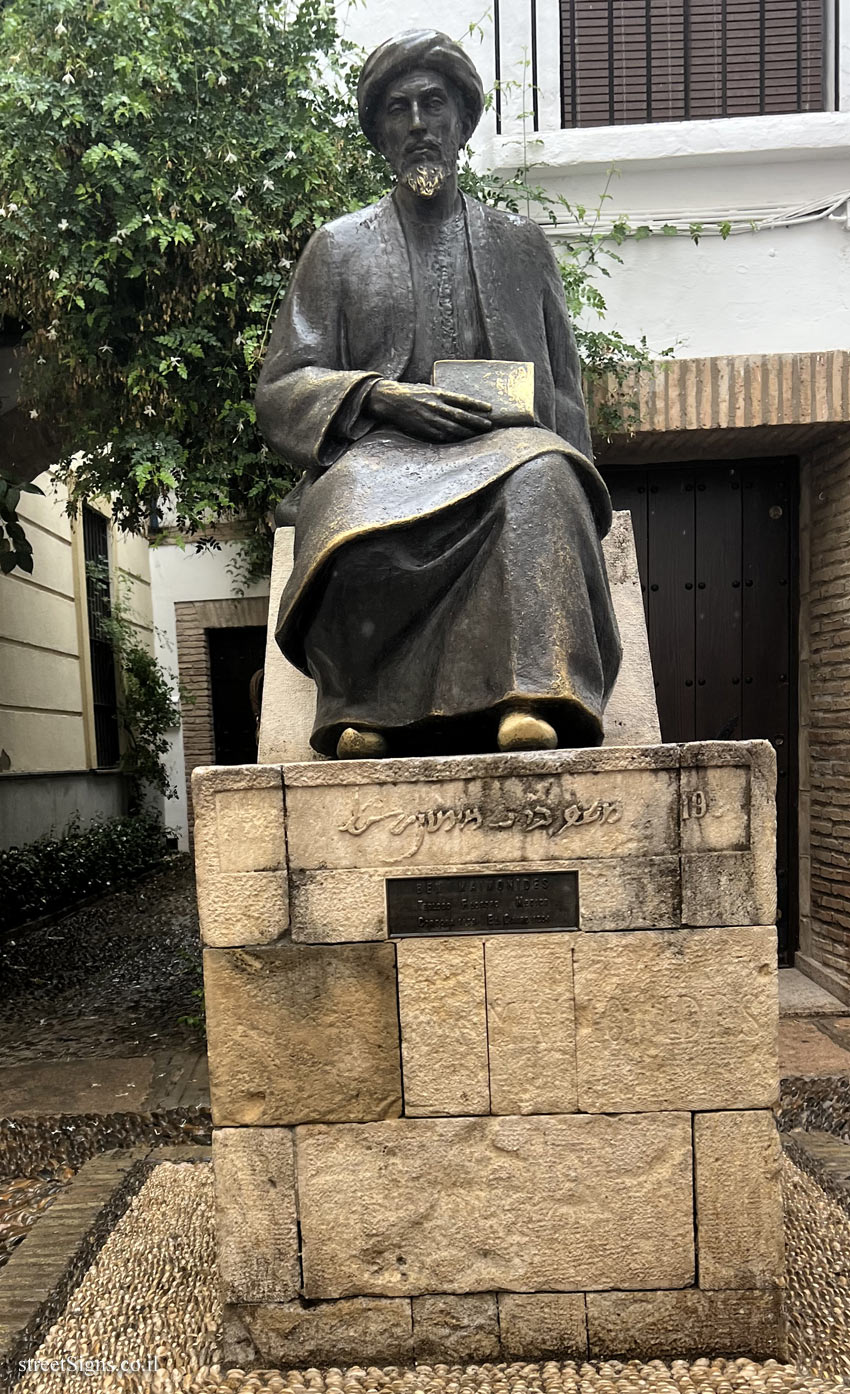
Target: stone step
829,1153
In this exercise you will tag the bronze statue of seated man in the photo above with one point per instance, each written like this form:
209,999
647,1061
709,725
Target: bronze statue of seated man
449,593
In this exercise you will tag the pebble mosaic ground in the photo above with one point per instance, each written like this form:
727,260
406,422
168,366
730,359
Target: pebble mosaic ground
40,1156
151,1294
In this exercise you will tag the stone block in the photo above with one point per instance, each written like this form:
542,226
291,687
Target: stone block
543,1203
715,806
531,1023
543,1325
631,715
685,1325
737,1159
535,807
333,907
238,818
443,1026
633,893
338,907
240,854
249,824
729,861
302,1032
243,909
719,888
256,1214
450,1330
674,1019
279,1336
289,696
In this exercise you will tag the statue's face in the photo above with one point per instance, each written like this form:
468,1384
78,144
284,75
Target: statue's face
420,127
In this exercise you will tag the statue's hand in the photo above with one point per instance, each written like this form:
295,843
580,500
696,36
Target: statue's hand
428,413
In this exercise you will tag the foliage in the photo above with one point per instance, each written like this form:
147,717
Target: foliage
146,706
52,874
197,1020
162,163
15,547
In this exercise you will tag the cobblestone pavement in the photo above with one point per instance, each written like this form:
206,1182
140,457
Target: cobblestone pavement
110,980
151,1296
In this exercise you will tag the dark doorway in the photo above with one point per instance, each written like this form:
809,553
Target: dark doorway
716,545
235,655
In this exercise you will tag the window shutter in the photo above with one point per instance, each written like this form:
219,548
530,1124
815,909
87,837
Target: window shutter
672,60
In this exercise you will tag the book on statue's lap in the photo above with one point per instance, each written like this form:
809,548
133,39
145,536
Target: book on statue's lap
507,386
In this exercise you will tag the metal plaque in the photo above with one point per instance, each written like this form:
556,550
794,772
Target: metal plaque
502,903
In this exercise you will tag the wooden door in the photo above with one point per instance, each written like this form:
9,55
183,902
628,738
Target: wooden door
716,546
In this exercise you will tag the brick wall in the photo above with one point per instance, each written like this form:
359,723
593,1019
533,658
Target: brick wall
825,716
193,618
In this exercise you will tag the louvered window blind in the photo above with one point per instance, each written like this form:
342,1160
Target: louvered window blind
629,61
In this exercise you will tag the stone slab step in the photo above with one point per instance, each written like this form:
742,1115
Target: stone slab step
829,1152
799,996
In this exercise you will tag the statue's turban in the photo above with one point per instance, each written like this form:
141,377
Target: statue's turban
418,48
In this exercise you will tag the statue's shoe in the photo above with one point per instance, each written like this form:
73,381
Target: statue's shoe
361,745
523,731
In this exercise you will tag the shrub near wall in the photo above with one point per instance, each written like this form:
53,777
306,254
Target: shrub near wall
53,874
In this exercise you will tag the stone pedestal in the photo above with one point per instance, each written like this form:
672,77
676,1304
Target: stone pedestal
499,1136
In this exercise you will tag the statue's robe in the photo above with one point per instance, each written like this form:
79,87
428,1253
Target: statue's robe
434,586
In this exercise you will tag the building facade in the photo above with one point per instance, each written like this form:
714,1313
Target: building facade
60,738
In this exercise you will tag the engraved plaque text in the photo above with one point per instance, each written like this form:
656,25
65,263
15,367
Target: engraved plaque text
511,903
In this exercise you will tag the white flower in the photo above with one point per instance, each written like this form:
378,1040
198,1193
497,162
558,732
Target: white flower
222,80
240,193
230,158
230,266
290,154
53,274
207,226
64,225
51,333
104,348
175,362
149,411
264,450
68,78
60,28
147,218
268,184
33,415
39,361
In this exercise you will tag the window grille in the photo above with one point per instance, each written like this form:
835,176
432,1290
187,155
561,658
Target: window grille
626,61
104,690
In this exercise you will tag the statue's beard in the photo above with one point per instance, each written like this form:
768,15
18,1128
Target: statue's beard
425,178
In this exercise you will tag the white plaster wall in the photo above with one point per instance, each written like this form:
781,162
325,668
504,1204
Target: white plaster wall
771,291
184,574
